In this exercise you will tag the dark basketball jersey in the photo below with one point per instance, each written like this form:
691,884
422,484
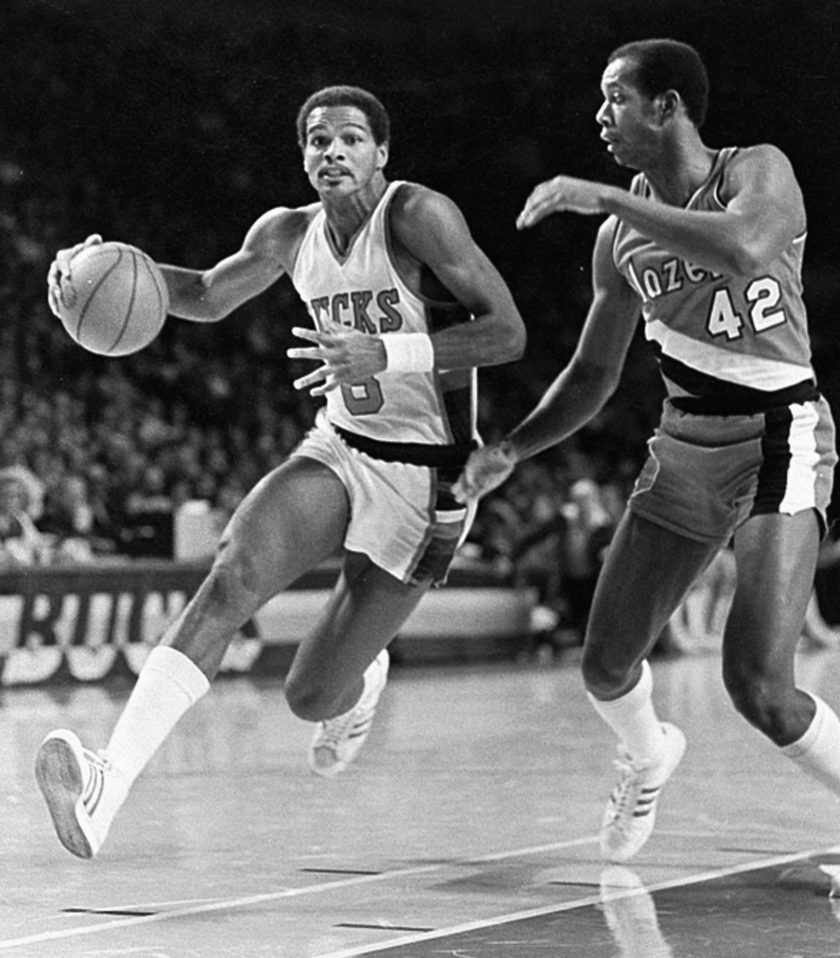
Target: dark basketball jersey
714,331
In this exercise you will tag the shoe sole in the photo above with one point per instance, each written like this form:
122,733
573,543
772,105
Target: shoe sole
334,768
59,777
325,771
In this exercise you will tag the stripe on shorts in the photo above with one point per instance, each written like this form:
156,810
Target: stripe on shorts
790,455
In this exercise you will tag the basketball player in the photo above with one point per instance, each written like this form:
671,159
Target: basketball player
405,307
709,244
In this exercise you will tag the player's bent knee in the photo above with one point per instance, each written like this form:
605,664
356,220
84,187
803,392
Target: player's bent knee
761,701
604,677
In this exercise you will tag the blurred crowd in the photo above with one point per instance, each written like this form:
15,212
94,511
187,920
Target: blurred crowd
97,456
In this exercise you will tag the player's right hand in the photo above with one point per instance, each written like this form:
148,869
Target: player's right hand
346,355
562,194
59,287
486,468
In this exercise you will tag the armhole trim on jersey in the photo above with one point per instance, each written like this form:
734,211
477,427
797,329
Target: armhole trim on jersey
638,187
615,238
303,241
724,156
392,259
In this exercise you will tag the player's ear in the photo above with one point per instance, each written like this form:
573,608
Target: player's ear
668,103
383,156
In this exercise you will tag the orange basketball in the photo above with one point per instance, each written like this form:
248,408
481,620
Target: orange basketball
116,300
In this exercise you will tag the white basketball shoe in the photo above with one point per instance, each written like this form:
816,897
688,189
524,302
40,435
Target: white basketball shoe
83,791
631,809
338,740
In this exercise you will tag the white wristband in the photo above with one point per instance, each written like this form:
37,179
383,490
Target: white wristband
408,352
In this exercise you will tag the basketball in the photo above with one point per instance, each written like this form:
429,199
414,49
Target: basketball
115,301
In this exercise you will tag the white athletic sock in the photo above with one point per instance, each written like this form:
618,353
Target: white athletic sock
633,719
818,751
168,684
371,679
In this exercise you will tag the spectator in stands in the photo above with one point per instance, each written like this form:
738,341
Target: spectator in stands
589,529
149,517
21,544
68,518
76,518
539,540
561,552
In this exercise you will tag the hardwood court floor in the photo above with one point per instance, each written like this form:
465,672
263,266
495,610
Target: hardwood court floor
466,829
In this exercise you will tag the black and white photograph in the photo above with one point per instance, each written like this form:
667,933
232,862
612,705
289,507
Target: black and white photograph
418,520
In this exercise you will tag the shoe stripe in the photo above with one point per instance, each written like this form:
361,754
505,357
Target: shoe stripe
645,795
645,803
93,793
90,784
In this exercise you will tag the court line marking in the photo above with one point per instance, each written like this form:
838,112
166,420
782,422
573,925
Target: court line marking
245,901
589,900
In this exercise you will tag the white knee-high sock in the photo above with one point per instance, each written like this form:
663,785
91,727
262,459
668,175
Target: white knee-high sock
168,684
818,751
633,718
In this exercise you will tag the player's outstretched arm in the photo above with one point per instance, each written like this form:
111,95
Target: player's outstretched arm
579,391
764,212
210,295
563,194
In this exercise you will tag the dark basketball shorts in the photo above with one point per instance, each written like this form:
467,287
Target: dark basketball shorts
706,475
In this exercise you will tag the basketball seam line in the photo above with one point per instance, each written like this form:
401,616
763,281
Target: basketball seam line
93,292
130,306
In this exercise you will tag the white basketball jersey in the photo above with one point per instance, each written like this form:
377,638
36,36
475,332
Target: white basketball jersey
363,289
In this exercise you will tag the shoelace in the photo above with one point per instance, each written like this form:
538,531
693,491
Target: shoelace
99,758
334,731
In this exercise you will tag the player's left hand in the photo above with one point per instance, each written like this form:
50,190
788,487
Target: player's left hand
346,356
562,194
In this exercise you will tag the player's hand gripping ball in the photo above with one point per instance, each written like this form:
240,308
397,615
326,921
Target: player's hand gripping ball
111,297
